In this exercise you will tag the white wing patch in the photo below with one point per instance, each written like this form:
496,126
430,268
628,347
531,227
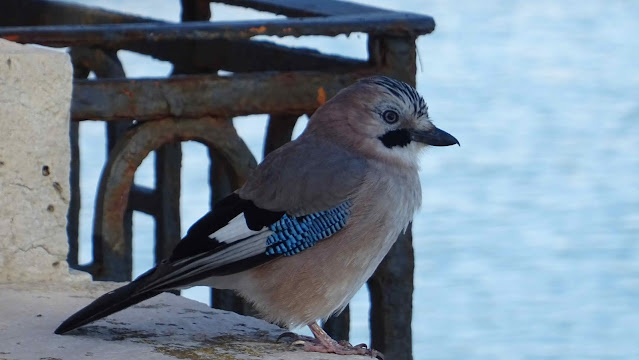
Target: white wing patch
234,231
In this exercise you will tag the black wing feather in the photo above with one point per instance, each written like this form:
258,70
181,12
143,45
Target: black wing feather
195,245
107,304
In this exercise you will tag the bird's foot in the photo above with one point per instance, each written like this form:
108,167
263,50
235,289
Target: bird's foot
342,348
323,343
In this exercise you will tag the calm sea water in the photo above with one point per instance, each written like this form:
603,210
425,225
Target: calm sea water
528,238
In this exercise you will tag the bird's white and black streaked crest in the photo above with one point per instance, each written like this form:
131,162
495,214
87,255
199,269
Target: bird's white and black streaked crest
402,91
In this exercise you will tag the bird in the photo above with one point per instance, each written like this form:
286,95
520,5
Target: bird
312,222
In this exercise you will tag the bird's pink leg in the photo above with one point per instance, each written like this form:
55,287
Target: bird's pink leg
325,344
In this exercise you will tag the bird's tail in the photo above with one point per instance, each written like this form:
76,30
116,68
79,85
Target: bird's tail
109,303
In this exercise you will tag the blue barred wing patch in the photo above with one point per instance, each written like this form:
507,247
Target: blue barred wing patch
294,234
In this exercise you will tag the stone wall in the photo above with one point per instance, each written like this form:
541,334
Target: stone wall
35,96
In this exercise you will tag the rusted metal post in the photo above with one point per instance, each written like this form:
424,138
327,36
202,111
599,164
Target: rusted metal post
391,294
279,131
338,327
73,215
391,287
80,71
196,10
168,162
119,267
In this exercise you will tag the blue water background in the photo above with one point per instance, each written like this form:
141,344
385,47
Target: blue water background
527,243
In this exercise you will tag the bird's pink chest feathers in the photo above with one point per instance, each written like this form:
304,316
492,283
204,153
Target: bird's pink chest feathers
315,283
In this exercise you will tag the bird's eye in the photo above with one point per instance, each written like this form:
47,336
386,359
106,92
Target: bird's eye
390,116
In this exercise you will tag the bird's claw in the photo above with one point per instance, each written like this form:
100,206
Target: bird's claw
343,348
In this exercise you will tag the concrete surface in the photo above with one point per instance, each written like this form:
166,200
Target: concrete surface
35,97
165,327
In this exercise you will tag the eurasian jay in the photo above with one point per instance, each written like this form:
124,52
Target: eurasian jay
314,219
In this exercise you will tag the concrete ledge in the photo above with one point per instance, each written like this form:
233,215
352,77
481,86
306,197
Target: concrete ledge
34,162
165,327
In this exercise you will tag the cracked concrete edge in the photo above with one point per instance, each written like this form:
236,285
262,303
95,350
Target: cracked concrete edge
164,327
34,162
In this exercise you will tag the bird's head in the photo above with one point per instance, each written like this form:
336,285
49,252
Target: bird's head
380,117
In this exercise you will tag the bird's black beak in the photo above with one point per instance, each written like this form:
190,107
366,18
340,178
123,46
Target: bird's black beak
434,137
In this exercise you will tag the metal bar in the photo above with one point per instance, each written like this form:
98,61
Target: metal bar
144,199
168,162
81,70
108,65
339,326
248,55
391,295
198,56
73,215
196,96
43,12
305,8
400,24
196,10
279,131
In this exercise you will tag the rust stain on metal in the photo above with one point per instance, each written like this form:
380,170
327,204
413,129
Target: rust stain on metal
321,95
258,30
128,93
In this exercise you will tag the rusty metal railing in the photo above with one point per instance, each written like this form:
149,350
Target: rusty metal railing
196,104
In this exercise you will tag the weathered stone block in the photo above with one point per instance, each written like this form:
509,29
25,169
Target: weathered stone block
35,96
